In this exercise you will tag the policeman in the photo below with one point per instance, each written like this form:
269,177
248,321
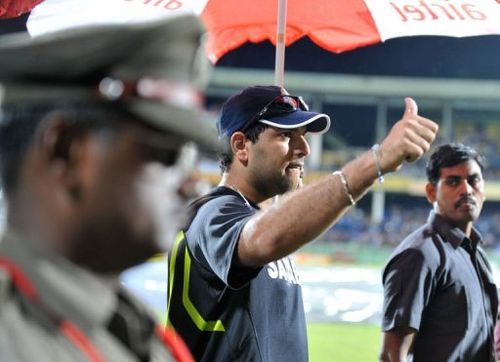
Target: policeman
96,139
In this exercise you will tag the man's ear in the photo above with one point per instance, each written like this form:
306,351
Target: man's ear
62,145
430,191
239,148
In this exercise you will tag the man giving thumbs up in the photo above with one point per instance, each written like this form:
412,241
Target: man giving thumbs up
233,262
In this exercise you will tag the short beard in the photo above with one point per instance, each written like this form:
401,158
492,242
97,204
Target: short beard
269,188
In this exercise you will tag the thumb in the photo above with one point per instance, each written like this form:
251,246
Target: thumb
411,108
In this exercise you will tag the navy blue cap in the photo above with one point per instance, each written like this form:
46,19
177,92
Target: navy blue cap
239,109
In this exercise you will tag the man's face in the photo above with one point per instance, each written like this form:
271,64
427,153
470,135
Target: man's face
459,193
276,160
132,206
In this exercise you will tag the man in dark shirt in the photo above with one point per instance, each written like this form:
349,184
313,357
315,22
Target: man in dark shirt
234,293
440,302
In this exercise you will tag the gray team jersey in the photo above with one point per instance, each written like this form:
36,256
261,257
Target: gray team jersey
225,312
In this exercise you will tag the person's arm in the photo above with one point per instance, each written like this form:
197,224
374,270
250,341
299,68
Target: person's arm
301,216
396,344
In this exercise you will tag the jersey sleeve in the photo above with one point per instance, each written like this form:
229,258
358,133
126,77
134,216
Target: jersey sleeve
213,237
408,282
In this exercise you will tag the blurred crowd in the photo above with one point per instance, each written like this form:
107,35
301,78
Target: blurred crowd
484,137
403,216
399,221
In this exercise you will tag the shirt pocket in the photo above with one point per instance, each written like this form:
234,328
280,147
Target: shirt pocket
448,312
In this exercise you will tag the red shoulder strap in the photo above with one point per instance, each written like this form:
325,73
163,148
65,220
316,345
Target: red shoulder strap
175,344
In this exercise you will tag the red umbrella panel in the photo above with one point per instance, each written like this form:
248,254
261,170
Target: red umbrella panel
15,8
333,25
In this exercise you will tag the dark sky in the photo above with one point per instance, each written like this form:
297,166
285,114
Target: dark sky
12,25
473,57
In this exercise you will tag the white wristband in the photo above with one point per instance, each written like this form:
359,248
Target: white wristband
375,151
345,187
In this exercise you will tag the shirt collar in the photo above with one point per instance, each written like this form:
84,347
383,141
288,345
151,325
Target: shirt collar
453,234
80,295
248,202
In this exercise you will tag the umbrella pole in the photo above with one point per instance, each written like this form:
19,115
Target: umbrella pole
279,66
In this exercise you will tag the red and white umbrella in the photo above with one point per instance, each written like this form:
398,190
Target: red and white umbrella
335,25
15,8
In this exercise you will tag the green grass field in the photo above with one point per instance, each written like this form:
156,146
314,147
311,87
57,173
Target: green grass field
340,342
343,342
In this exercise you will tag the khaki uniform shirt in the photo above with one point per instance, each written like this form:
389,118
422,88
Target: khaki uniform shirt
68,292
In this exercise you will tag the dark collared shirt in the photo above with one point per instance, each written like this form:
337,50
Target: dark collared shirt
439,283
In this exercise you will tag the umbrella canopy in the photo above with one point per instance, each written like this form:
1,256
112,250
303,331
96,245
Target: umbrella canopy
339,25
335,25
